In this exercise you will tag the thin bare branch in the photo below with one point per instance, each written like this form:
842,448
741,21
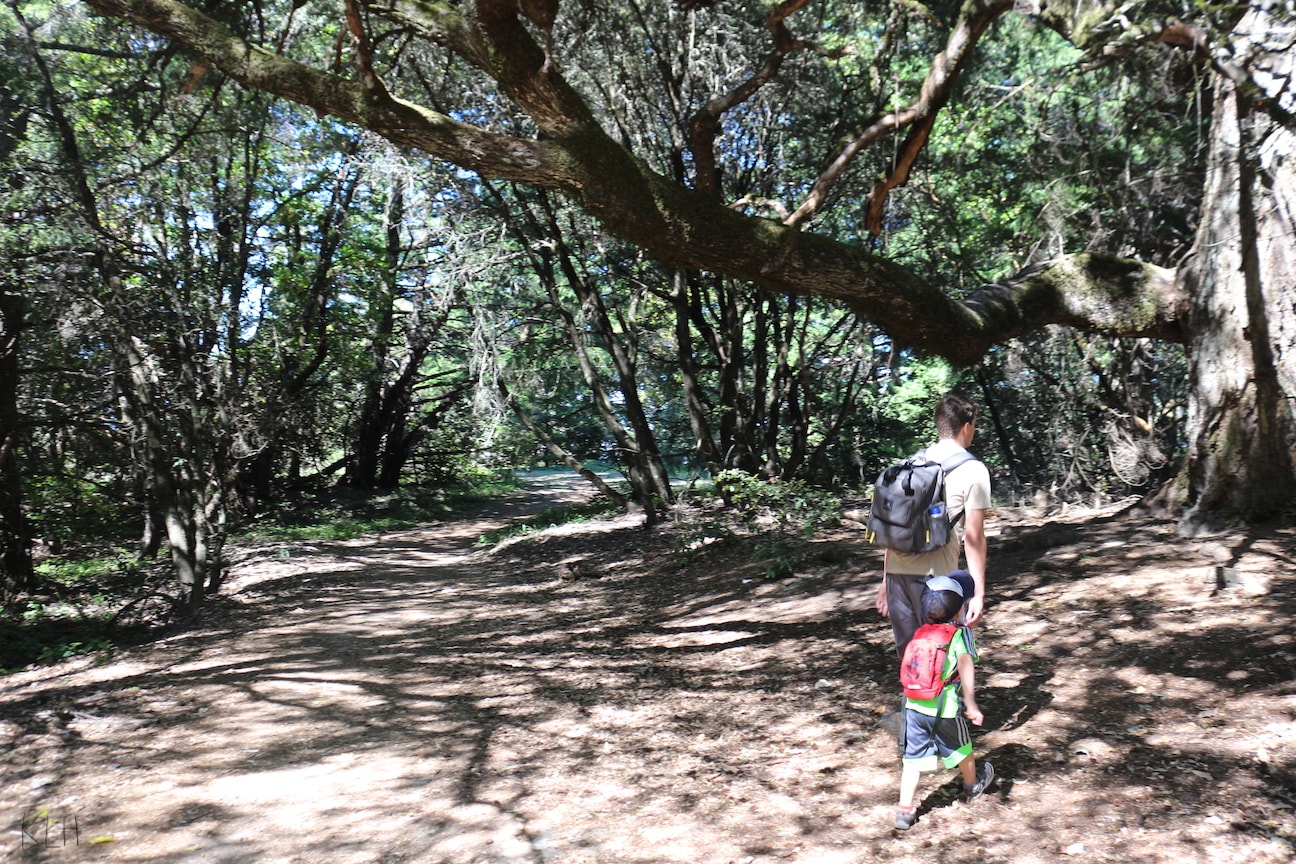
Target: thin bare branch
704,127
974,18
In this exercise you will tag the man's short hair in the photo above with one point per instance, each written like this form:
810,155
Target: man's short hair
952,413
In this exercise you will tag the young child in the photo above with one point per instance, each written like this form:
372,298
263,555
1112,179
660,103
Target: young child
935,730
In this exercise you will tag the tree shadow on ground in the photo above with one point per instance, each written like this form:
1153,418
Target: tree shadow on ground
495,701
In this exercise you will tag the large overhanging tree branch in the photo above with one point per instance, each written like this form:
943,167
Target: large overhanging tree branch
677,225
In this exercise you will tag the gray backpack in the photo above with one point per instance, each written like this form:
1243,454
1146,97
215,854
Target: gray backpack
908,510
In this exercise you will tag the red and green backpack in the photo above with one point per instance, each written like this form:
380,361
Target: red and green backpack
924,661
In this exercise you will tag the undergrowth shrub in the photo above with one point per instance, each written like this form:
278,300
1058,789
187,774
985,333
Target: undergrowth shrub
779,514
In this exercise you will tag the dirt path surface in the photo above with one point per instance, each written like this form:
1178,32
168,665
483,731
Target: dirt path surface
589,695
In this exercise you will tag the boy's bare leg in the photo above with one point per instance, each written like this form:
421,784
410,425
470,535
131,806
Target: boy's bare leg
909,777
906,812
968,769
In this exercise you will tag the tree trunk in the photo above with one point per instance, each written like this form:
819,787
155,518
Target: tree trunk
16,573
151,531
376,405
405,437
705,447
174,493
174,482
1242,357
629,427
725,340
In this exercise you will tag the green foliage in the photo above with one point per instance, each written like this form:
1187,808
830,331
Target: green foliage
54,653
1043,151
48,634
694,537
916,392
77,572
326,527
778,513
72,616
1089,415
781,557
70,507
777,505
904,415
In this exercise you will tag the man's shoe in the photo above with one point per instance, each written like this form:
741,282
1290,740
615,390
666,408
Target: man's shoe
905,818
984,774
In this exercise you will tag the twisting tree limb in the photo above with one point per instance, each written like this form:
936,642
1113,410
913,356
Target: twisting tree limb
363,47
974,18
705,124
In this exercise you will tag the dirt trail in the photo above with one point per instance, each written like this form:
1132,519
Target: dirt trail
416,698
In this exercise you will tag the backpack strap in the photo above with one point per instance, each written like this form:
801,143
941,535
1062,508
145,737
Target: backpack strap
949,464
948,467
949,646
956,460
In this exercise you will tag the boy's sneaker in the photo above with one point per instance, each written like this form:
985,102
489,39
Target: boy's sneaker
984,774
905,818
